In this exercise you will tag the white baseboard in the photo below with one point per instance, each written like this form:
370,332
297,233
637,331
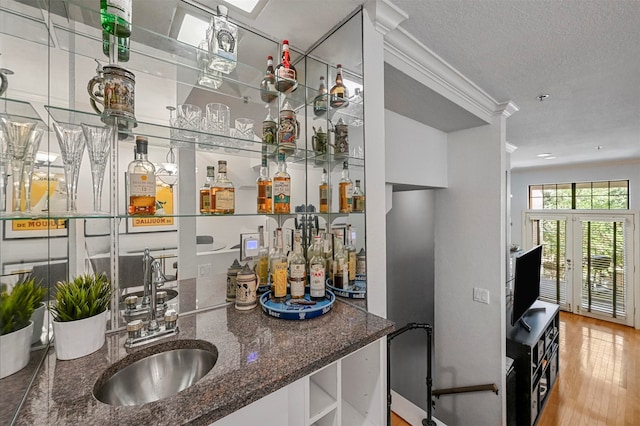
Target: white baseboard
409,411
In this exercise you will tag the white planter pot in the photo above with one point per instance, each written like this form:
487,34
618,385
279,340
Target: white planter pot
38,320
15,349
75,339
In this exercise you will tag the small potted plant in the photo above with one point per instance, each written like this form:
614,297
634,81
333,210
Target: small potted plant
16,328
80,315
39,307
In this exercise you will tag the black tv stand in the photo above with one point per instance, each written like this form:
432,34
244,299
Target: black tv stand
525,324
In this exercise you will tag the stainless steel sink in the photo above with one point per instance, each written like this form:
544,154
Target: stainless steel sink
149,375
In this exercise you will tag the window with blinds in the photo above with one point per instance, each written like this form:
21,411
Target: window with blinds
552,235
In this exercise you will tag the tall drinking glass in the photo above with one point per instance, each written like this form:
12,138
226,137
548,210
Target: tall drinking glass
72,143
27,169
18,135
98,140
4,169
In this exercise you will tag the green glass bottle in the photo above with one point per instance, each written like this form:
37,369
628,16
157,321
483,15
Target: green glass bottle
115,16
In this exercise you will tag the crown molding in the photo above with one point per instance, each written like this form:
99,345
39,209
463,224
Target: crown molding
507,109
385,15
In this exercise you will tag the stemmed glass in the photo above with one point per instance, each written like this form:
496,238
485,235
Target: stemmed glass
4,169
27,169
18,137
98,140
72,142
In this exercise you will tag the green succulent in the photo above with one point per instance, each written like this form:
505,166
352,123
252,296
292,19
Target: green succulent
17,306
84,297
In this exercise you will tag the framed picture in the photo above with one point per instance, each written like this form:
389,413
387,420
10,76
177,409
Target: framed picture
163,220
34,228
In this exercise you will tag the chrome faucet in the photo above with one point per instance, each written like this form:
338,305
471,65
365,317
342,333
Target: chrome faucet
153,277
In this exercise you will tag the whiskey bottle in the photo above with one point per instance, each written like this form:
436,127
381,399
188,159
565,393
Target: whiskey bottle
263,259
358,198
351,255
321,100
115,16
278,267
324,192
265,186
141,175
345,189
297,269
268,92
339,96
205,191
222,192
286,77
222,36
282,187
327,254
317,273
361,262
340,264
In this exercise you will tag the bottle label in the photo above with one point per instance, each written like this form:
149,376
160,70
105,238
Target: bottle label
348,190
263,269
225,199
317,280
142,184
352,266
297,271
358,203
280,279
324,194
120,9
361,265
205,201
282,191
297,288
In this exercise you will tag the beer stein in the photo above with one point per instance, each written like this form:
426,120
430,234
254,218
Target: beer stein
288,130
319,141
232,279
246,289
116,93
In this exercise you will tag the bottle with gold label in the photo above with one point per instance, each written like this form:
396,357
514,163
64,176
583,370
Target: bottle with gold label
141,175
345,189
205,191
324,192
358,198
297,269
351,254
282,187
340,263
222,192
278,270
265,186
339,96
263,259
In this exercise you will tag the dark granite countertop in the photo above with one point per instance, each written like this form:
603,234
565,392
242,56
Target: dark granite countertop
257,355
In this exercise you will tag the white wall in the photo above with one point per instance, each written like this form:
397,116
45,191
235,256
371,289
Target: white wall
416,154
522,178
469,339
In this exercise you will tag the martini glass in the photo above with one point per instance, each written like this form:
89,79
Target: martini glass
27,169
72,142
18,138
98,140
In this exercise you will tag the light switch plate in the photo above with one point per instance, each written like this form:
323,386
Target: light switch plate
481,295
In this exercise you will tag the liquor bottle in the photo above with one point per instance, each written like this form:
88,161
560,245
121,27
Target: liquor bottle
338,94
278,266
282,187
222,192
205,191
345,189
351,255
141,175
327,254
121,44
317,272
325,192
321,100
297,269
286,77
358,198
265,186
340,264
361,262
270,133
115,16
263,259
268,92
222,36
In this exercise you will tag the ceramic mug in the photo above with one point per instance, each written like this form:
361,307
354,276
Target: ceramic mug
116,92
247,283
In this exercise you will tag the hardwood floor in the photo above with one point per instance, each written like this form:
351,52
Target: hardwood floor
599,375
396,420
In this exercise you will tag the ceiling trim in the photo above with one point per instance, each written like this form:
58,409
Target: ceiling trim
406,53
386,15
507,109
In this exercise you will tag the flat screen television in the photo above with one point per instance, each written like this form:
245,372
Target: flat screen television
526,284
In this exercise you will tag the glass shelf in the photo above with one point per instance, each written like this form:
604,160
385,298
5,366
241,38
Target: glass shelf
18,109
24,22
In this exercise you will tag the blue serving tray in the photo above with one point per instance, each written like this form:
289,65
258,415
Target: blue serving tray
355,291
286,310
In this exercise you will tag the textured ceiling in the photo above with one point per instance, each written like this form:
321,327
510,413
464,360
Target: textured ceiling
584,53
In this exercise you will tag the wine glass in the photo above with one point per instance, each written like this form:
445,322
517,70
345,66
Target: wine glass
18,138
4,169
29,162
72,142
98,139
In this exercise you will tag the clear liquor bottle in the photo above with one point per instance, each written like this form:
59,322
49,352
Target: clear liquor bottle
222,36
268,92
317,271
265,187
339,95
286,76
320,102
263,259
141,175
340,263
350,249
358,198
278,266
282,187
345,190
115,16
205,191
327,254
324,190
297,269
222,192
